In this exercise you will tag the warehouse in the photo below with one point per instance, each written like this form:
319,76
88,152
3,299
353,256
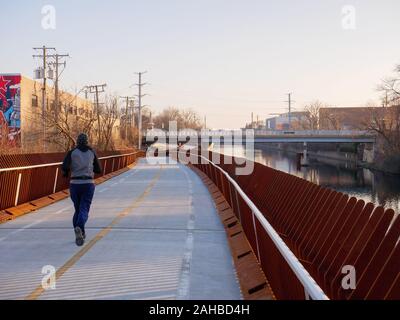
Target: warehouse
26,125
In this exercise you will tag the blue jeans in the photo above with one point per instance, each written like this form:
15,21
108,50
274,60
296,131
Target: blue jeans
81,195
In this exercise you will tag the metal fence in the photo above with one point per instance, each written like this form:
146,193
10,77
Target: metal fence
24,178
307,237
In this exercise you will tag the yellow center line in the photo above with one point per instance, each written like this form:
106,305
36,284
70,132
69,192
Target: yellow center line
35,294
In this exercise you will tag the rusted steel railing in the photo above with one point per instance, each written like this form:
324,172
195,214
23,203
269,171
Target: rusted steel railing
24,178
350,248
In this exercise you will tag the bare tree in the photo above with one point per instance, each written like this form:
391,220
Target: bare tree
63,126
312,114
109,114
146,118
386,123
390,88
191,119
185,118
167,115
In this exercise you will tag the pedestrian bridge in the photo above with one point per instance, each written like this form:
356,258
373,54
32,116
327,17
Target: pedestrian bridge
153,233
159,229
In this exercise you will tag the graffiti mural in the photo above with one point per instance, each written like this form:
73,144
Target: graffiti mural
10,110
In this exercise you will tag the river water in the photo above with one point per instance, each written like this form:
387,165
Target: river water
375,187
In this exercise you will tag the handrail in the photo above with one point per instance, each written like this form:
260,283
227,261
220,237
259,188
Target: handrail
309,284
118,155
58,163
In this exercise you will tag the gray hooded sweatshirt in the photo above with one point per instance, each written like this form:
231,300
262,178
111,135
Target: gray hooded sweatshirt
83,163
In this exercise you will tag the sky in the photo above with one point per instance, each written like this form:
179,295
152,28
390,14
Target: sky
224,59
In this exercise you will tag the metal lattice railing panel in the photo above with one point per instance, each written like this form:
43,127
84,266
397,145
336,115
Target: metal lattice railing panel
26,177
325,229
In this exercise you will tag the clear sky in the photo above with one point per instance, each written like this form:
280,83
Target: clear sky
222,58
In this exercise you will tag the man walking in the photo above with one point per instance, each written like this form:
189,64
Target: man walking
83,163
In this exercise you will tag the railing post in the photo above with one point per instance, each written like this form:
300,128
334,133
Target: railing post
230,193
214,175
227,190
105,166
221,185
18,188
112,167
221,178
255,235
55,181
238,206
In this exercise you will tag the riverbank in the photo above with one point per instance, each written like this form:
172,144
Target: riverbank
322,156
357,181
389,166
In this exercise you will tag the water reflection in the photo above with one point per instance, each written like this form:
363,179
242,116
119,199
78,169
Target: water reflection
374,187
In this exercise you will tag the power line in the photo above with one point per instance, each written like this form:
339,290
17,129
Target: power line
56,64
290,101
44,55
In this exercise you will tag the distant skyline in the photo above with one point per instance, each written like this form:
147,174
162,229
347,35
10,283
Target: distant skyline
224,59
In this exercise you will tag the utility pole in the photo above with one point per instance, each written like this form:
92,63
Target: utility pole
56,65
140,96
290,110
96,89
44,56
205,122
128,116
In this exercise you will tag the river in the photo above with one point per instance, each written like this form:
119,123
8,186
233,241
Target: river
378,188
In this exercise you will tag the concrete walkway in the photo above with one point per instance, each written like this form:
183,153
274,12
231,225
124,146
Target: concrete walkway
153,233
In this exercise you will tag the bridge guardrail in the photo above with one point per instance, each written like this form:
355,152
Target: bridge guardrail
295,282
351,133
21,182
335,237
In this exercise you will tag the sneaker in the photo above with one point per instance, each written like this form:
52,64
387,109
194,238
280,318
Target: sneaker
79,240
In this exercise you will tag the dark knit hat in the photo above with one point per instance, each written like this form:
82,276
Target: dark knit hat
82,140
